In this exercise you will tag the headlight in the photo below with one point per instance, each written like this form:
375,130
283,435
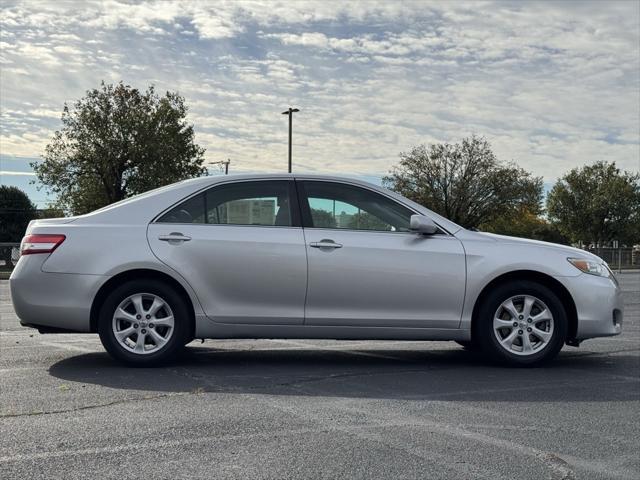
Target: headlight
591,267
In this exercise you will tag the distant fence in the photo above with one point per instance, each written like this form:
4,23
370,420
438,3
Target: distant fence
624,257
9,253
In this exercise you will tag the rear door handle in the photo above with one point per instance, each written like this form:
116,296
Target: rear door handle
325,243
174,237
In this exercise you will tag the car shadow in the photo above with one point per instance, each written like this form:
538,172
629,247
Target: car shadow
445,375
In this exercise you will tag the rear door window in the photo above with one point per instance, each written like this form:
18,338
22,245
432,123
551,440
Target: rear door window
264,203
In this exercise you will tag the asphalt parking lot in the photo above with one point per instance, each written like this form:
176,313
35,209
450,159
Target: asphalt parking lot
318,409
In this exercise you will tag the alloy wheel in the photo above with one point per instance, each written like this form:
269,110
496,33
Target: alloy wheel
523,325
143,323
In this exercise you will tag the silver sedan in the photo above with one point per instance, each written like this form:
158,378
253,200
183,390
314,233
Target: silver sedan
302,256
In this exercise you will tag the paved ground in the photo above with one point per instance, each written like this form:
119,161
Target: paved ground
318,409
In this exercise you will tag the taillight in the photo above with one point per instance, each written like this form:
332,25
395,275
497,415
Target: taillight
40,243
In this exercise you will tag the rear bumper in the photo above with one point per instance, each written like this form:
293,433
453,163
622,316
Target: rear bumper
599,305
52,301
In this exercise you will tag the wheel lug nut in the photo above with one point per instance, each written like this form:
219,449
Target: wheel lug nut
520,317
529,320
143,331
520,332
138,317
515,324
151,325
529,329
148,317
135,325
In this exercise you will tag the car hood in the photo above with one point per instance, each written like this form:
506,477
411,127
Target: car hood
569,251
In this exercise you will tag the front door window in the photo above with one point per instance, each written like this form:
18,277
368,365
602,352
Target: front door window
341,206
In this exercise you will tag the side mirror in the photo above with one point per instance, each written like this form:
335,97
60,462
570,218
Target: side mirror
423,225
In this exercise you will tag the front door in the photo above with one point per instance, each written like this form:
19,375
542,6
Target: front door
367,269
241,248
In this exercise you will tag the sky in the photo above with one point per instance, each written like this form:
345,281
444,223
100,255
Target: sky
551,85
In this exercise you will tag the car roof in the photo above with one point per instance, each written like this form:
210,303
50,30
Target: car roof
260,176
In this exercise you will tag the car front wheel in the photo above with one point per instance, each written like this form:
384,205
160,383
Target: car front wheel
522,323
143,323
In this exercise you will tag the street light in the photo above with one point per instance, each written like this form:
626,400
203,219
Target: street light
290,113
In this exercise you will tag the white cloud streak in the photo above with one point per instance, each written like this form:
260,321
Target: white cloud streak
16,174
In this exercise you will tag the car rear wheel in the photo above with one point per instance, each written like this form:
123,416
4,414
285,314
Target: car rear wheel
521,323
144,323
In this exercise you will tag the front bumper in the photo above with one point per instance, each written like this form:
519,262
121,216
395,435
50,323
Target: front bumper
55,301
599,305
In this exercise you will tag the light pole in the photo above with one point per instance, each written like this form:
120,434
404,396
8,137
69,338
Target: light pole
290,113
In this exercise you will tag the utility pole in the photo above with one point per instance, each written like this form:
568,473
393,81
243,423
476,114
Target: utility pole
226,165
290,113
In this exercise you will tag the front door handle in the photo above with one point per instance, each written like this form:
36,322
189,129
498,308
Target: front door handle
174,237
325,243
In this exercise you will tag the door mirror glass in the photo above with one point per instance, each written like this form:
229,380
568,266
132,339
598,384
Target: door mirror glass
422,224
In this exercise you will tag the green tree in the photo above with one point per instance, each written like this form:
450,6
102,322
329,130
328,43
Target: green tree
16,210
50,212
525,224
366,221
322,218
116,142
596,204
465,182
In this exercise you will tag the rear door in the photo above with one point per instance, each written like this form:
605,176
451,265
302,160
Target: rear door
367,269
241,247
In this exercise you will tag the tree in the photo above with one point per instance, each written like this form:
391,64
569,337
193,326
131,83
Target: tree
50,212
525,224
465,182
366,221
322,218
596,204
16,210
116,142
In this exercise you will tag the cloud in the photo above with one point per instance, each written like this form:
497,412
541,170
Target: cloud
551,85
392,44
313,39
16,174
68,49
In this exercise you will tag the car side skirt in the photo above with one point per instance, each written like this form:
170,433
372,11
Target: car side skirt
205,328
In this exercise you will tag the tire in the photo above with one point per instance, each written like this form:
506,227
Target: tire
144,341
521,323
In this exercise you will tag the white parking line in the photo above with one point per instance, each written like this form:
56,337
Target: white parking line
73,348
337,348
157,445
18,369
